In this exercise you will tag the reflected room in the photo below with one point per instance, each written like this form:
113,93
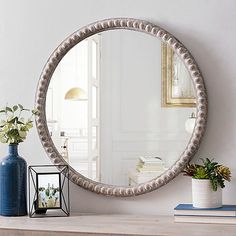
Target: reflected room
102,131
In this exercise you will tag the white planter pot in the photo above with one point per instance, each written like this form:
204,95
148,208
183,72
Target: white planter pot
203,196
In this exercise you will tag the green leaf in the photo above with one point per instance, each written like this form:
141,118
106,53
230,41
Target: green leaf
29,125
20,106
23,128
2,111
3,140
15,108
12,120
22,134
201,173
9,109
214,183
6,128
35,112
2,122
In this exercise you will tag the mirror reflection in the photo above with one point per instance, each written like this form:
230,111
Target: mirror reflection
108,107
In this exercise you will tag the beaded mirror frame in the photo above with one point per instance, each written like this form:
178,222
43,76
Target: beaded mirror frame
201,105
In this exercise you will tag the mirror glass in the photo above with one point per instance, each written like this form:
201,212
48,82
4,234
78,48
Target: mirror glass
120,107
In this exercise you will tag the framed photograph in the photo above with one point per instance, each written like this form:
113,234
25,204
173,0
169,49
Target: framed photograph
49,190
177,86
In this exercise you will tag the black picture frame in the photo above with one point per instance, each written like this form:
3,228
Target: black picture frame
36,175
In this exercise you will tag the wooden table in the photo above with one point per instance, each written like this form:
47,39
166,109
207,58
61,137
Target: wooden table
90,225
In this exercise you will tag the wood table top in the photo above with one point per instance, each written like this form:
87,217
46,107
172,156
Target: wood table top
84,225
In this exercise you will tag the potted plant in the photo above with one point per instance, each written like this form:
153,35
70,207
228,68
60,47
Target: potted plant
208,180
14,128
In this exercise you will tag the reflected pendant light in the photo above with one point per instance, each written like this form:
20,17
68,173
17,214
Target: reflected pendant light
76,94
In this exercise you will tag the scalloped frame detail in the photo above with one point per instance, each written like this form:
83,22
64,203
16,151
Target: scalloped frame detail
201,114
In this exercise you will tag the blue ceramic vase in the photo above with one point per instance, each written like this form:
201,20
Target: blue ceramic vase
13,184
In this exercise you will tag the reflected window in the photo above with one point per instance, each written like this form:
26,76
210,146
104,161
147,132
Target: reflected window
94,59
72,102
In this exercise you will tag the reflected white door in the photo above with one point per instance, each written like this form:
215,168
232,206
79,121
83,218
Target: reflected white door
94,107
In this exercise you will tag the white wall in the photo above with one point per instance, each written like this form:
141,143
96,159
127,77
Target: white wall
30,31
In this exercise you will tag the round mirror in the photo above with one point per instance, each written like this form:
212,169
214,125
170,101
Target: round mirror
125,108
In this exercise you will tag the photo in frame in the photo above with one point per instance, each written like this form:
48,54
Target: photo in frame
49,191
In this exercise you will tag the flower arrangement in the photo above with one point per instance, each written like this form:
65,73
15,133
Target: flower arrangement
13,126
213,171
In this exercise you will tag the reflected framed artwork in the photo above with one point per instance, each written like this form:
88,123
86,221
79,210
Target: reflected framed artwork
177,87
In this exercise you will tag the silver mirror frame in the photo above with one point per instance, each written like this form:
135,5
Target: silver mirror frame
191,65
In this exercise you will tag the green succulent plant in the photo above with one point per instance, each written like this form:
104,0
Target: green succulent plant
211,170
13,126
201,173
